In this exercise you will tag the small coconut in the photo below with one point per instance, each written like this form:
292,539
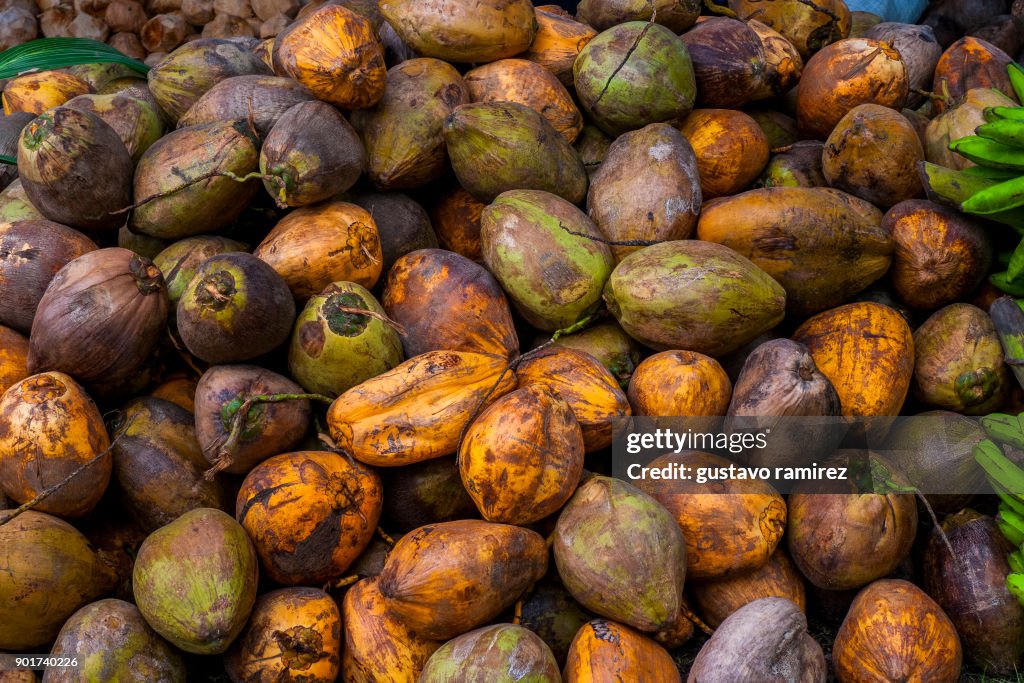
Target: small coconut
50,428
75,169
404,132
592,146
551,613
49,247
195,197
15,204
603,14
959,362
266,429
13,358
444,301
334,347
11,126
649,189
499,146
917,46
195,581
463,31
845,74
231,295
474,569
112,641
634,74
112,297
781,128
779,579
178,81
425,493
798,166
610,345
311,154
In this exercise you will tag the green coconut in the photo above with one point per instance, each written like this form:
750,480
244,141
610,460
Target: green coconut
502,653
195,580
695,296
499,146
16,206
180,260
235,308
75,169
137,122
621,554
547,256
186,184
634,74
112,642
610,345
187,73
334,348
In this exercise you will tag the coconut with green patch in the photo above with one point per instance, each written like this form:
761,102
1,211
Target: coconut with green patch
75,169
502,653
500,146
235,308
16,206
179,261
138,123
548,256
621,554
190,181
335,347
195,581
634,74
695,296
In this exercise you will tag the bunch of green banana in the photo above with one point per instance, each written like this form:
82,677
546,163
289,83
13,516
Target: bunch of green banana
1007,480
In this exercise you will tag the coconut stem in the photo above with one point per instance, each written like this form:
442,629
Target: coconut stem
346,581
183,186
685,610
372,314
226,452
612,243
384,536
517,613
49,491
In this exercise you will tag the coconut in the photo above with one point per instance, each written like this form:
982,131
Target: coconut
178,81
112,641
266,429
808,28
523,81
199,195
49,247
988,620
779,578
51,571
404,132
13,358
781,129
37,92
258,100
873,153
499,146
231,295
474,569
634,74
403,225
112,297
620,554
179,261
592,145
503,653
894,628
334,347
551,613
730,147
664,311
463,31
604,648
15,204
742,649
311,154
142,245
779,378
649,189
292,632
959,362
456,219
11,126
425,493
195,581
679,383
798,166
75,169
159,464
603,14
918,48
542,250
847,73
960,121
970,63
310,514
137,122
378,646
558,42
444,301
610,345
314,246
738,62
50,428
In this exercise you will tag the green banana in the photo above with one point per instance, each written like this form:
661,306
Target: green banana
1004,428
1006,284
1003,113
1008,319
1006,132
998,467
1016,560
1015,503
1016,73
989,152
1015,584
1003,196
1010,532
990,173
1011,518
951,187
